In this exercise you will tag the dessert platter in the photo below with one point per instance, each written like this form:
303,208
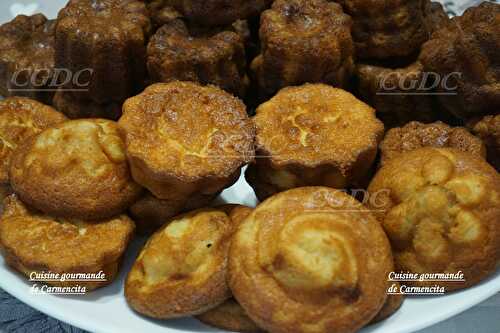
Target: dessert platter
306,166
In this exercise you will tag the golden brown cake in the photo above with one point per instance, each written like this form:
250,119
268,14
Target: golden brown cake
21,118
392,28
186,140
176,53
313,135
218,12
466,55
311,259
77,169
229,316
32,242
108,37
182,269
398,94
74,108
440,209
27,57
416,135
488,129
303,41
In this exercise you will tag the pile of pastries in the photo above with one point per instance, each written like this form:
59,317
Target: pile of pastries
126,116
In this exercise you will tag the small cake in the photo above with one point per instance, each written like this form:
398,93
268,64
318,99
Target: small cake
392,28
310,259
77,169
440,208
33,242
27,58
398,94
313,135
229,316
186,140
466,56
75,108
488,129
218,12
181,271
175,53
20,118
416,135
108,37
303,41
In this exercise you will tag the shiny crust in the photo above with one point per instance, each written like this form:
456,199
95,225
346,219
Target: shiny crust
33,242
470,45
416,135
313,135
21,118
311,259
440,209
181,270
26,49
184,139
109,37
150,213
391,28
77,169
488,129
386,89
304,41
218,12
229,316
174,53
75,108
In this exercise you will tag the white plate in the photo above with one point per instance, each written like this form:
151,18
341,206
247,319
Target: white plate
105,310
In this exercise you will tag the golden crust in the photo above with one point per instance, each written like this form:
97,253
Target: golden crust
488,129
27,54
311,259
21,118
440,209
175,53
416,135
181,270
304,41
229,316
184,139
75,108
391,306
33,242
76,169
109,37
313,135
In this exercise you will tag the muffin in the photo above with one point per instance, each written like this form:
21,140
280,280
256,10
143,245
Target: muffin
218,12
182,269
313,135
440,208
109,37
399,95
175,53
416,135
27,57
488,129
466,55
391,28
20,118
186,140
32,242
77,169
310,259
229,316
75,108
303,41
